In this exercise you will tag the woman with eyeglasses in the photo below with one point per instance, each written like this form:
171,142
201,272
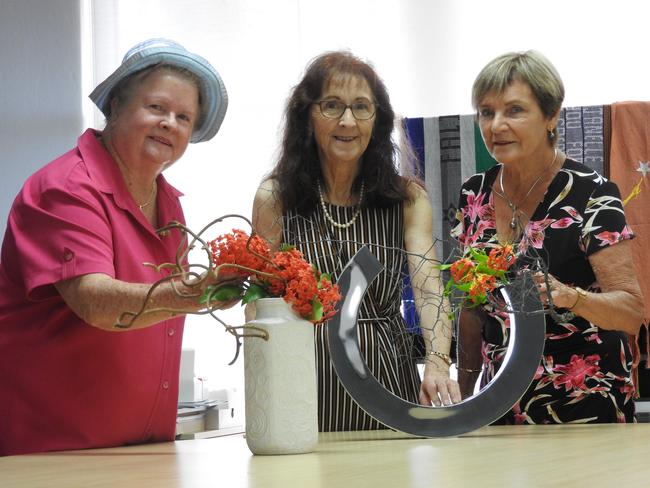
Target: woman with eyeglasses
334,188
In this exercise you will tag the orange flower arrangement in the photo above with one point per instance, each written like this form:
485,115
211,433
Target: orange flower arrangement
284,273
478,272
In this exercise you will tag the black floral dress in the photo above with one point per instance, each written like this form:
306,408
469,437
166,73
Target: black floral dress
584,375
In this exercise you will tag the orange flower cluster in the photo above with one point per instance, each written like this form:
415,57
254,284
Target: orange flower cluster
501,258
477,273
302,285
234,248
284,273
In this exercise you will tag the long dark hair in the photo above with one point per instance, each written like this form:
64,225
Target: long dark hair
298,168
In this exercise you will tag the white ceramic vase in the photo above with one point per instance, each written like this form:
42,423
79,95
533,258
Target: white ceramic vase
280,382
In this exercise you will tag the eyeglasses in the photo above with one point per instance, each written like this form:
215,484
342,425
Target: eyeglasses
334,109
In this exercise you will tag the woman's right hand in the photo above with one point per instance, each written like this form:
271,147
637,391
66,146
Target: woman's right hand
437,387
229,293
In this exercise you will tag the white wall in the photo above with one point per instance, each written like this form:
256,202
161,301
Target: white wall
40,88
427,51
598,46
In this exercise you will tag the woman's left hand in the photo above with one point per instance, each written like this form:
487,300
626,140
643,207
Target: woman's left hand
438,388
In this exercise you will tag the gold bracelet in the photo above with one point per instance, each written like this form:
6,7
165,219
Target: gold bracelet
468,370
443,356
582,295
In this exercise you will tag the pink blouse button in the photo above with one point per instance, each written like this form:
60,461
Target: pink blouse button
165,385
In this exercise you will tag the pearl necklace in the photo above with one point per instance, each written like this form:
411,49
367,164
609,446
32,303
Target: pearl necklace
513,207
331,220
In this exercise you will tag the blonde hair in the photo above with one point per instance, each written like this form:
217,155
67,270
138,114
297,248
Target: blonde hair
530,67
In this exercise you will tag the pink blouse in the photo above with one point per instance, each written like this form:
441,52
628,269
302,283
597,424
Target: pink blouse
63,383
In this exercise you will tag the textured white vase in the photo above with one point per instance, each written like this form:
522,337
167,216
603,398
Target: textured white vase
280,382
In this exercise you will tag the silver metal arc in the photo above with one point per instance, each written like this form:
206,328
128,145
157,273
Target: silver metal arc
525,348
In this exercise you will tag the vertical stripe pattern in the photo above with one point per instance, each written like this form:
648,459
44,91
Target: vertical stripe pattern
581,135
383,340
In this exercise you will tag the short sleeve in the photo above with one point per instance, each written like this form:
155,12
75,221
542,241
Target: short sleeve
56,233
604,221
474,215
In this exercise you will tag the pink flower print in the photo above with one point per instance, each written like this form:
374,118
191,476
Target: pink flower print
488,217
573,375
562,223
471,237
628,390
484,225
607,237
466,238
488,213
627,233
521,417
573,213
534,234
475,207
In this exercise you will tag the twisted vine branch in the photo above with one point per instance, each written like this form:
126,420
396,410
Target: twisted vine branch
189,280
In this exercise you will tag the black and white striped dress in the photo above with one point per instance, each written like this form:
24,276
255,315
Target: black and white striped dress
383,340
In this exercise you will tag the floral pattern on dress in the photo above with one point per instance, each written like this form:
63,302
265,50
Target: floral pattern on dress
585,372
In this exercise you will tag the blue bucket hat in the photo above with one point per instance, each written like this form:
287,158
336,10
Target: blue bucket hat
214,98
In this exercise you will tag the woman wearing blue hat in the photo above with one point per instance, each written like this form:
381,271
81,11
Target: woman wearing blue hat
78,235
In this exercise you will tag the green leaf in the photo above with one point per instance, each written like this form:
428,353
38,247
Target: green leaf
324,278
485,269
316,310
221,293
284,247
478,256
254,292
205,296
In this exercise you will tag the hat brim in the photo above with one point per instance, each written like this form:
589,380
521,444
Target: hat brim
214,98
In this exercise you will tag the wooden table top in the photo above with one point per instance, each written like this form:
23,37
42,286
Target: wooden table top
509,456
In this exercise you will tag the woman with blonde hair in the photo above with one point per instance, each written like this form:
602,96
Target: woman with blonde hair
571,219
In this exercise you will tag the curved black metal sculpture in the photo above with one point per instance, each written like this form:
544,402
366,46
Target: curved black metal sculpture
515,375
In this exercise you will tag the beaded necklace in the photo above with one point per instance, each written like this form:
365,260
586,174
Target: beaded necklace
330,219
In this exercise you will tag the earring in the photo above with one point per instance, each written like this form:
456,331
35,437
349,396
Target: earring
551,134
